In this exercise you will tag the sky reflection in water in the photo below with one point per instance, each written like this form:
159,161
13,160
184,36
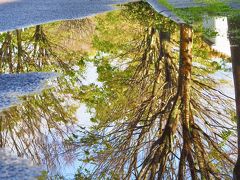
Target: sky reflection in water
48,117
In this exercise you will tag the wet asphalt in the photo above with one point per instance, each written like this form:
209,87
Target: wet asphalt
24,13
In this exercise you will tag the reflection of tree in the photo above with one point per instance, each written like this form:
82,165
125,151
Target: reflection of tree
19,51
226,9
41,48
234,34
156,115
157,118
6,51
38,128
16,51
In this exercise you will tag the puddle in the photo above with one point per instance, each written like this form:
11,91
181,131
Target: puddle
91,97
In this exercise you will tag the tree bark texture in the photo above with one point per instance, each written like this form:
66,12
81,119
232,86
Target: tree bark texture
234,32
185,70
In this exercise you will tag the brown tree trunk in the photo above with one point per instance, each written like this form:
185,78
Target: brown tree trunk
2,55
37,38
234,31
184,86
9,56
1,59
20,51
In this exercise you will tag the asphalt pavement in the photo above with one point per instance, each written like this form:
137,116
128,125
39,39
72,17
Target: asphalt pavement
23,13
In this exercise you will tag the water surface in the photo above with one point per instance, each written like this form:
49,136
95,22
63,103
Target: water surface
105,70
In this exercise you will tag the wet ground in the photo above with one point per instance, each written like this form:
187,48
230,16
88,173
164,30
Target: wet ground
15,168
39,111
23,13
13,86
